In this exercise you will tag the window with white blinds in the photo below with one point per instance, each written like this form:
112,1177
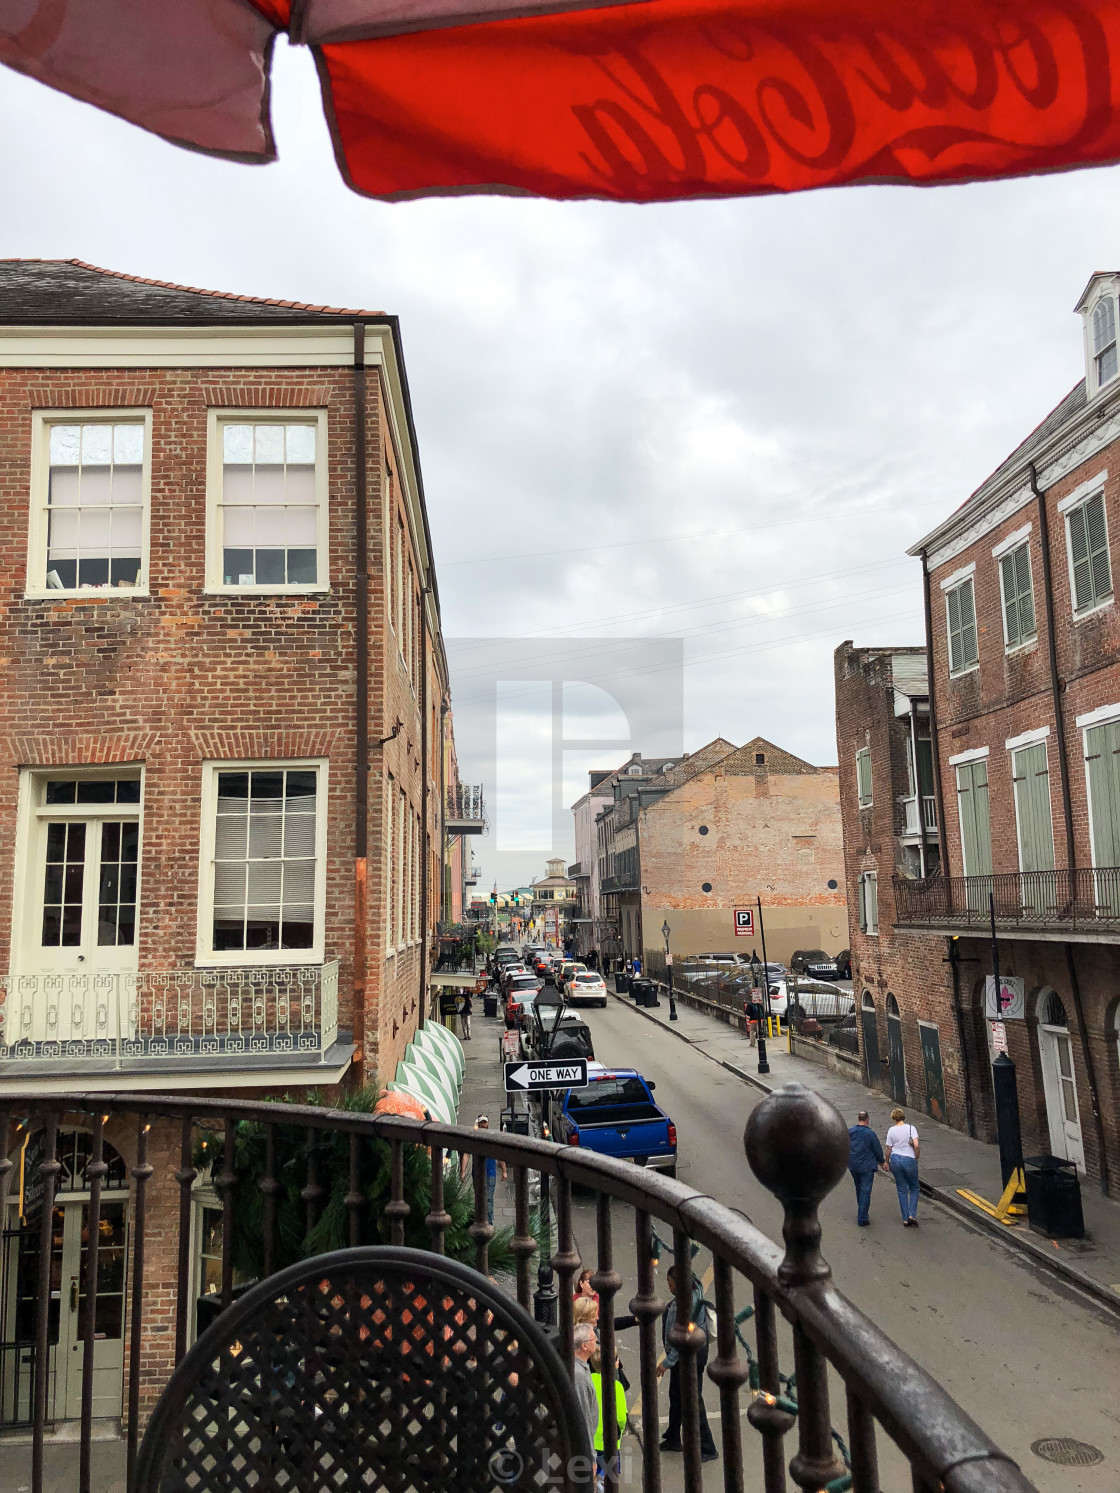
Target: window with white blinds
263,894
961,610
1018,596
1090,567
863,777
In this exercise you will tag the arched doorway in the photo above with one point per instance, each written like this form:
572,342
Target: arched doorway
896,1060
1059,1081
870,1027
19,1282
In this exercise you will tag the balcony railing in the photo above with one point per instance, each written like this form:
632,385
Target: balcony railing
627,881
797,1146
135,1019
466,809
1086,900
911,823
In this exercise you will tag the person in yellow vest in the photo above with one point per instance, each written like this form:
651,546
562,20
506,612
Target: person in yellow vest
595,1364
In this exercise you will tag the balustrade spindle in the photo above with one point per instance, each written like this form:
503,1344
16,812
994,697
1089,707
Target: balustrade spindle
729,1372
861,1445
766,1415
607,1283
688,1340
438,1219
396,1209
185,1177
141,1174
353,1197
270,1188
523,1245
312,1192
96,1171
49,1169
566,1262
225,1182
481,1230
647,1307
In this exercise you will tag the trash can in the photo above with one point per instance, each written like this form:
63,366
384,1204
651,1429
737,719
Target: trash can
1053,1197
644,992
622,983
489,1004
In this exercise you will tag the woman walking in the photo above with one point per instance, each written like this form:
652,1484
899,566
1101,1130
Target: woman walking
903,1149
466,1011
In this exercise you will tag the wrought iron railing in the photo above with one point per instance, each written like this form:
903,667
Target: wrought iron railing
796,1144
177,1013
625,881
1085,900
465,803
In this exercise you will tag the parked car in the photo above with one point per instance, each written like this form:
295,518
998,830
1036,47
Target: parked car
845,1035
844,964
587,988
518,1004
815,963
513,972
819,1001
720,959
572,1038
569,968
616,1115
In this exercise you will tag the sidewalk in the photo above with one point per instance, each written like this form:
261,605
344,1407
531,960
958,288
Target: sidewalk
949,1159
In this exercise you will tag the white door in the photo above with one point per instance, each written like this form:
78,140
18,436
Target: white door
1060,1082
80,891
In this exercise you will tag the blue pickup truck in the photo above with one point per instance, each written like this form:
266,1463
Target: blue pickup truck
616,1115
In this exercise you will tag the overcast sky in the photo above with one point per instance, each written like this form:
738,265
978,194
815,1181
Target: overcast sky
718,422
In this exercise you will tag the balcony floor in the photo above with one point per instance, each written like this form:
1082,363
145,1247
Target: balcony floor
1028,932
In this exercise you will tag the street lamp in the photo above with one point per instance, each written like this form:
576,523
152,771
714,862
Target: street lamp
547,1009
665,931
760,981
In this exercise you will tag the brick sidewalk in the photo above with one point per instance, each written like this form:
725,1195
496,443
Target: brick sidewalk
949,1159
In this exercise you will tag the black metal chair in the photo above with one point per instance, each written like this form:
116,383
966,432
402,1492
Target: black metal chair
369,1369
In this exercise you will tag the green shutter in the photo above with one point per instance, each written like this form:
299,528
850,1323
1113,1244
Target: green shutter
1022,558
969,654
1010,600
863,776
976,833
1097,534
954,601
1102,758
1030,773
1079,553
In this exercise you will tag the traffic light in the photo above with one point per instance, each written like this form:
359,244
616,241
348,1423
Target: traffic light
493,896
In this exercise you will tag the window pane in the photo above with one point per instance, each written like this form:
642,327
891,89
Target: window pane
128,445
237,567
302,568
97,445
270,567
64,485
238,527
300,485
233,792
96,489
66,445
237,443
127,485
59,793
269,445
237,484
300,444
300,527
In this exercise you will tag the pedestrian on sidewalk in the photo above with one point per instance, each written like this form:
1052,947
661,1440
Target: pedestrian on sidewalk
903,1150
466,1010
492,1165
585,1341
754,1016
698,1317
595,1364
865,1157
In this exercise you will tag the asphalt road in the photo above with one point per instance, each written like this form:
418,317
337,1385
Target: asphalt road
1027,1357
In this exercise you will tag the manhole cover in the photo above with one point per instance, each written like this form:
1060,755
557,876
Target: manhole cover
1067,1452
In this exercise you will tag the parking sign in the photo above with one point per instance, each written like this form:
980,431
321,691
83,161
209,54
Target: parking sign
744,922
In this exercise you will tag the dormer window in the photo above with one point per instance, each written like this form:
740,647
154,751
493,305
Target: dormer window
1104,341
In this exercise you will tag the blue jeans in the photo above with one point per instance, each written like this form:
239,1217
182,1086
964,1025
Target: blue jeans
904,1169
863,1181
491,1183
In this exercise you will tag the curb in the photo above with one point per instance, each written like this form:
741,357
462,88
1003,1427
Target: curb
1037,1253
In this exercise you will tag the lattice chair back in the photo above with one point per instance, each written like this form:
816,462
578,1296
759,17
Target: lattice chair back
369,1369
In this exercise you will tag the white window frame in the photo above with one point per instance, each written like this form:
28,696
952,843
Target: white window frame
37,524
869,883
1007,552
951,590
216,420
1071,505
206,957
1095,356
864,803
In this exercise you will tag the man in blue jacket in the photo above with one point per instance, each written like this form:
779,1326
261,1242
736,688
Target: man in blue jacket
864,1158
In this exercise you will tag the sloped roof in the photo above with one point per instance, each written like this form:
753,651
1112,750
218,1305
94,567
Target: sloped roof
778,760
69,292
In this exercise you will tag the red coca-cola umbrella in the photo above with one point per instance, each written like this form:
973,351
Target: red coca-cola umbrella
644,100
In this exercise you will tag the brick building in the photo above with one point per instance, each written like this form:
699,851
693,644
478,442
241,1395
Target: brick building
735,826
224,726
1023,648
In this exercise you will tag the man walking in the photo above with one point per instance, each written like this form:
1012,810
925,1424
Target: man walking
698,1317
865,1156
585,1341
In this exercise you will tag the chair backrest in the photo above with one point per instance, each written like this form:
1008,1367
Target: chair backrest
369,1369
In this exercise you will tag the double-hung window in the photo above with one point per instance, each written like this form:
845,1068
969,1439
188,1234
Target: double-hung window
90,483
264,846
1089,565
869,902
268,502
961,608
863,777
1018,596
1104,341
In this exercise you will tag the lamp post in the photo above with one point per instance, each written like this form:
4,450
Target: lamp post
546,1009
665,931
760,981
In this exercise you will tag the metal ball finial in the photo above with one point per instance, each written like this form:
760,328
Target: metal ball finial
797,1146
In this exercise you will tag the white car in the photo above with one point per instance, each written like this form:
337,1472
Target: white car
586,988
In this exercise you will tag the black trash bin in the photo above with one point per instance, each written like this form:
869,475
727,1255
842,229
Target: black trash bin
490,1004
644,992
1053,1197
622,983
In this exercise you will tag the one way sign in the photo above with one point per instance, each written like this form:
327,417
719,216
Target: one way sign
531,1077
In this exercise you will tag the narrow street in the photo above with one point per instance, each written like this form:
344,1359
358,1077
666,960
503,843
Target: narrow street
1024,1355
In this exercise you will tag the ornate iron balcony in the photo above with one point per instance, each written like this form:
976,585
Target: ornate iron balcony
1082,901
776,1312
627,881
465,809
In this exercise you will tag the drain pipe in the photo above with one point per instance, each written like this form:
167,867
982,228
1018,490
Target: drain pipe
425,838
935,748
361,703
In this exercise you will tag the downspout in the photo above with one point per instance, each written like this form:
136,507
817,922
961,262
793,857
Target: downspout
918,785
935,748
426,841
361,702
1067,813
